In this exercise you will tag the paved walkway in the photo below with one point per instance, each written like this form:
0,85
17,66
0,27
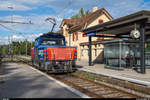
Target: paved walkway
23,82
128,73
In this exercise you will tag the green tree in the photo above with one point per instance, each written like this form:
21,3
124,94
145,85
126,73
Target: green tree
4,50
80,14
18,48
76,16
87,12
1,50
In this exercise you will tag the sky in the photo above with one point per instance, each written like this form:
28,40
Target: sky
37,11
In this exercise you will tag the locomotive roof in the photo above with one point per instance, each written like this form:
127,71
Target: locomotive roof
52,35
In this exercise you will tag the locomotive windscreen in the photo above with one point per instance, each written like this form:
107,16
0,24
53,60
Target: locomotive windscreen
52,41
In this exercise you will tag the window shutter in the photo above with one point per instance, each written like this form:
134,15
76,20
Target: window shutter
73,37
100,21
77,36
83,35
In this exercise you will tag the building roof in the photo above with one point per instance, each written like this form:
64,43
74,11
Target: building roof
60,31
77,24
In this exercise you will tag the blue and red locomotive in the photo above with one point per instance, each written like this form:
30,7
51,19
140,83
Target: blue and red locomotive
51,54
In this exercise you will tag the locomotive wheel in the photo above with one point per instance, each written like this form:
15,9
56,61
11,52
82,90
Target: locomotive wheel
38,67
32,62
41,66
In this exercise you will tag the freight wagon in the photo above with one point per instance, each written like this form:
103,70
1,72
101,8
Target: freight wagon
51,54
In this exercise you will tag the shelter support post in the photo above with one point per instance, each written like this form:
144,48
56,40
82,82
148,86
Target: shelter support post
142,48
90,51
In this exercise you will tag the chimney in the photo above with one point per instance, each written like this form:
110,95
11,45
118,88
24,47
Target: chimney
95,8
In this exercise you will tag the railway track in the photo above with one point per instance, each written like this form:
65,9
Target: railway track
91,88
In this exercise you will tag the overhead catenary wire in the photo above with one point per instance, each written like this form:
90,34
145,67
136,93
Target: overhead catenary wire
20,33
6,27
65,7
62,11
10,29
16,22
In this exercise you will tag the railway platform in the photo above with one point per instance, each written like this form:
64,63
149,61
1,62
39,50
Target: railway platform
21,81
126,74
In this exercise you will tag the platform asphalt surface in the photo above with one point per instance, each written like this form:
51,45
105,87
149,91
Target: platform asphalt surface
23,82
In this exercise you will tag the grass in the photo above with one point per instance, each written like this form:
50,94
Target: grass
98,78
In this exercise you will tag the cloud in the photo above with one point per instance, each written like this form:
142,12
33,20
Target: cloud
4,40
17,37
20,37
39,23
16,6
119,8
63,9
23,37
57,5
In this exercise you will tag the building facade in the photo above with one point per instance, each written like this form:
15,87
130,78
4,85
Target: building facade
71,29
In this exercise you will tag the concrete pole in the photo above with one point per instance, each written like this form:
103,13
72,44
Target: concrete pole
26,48
9,44
90,51
142,48
31,44
12,29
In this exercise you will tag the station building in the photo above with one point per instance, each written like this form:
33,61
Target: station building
71,29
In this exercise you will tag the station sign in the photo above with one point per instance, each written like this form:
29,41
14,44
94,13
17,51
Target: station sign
91,34
147,45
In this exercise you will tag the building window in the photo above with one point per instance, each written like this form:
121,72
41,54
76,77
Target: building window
76,36
73,37
82,52
83,35
95,52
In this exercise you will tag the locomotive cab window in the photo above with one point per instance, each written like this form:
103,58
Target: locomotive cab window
36,42
52,41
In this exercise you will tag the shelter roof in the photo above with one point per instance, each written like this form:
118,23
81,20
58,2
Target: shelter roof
123,25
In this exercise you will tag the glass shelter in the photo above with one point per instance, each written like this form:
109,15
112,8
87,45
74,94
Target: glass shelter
120,54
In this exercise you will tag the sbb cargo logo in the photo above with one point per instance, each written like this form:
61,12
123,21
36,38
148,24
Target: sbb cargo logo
41,52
